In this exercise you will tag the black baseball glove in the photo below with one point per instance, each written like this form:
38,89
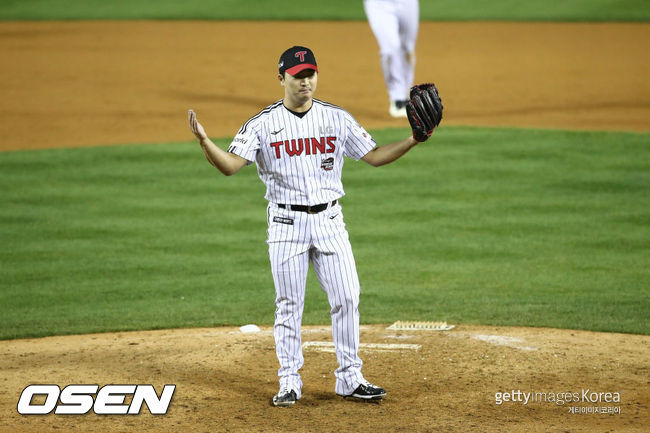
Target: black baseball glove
424,110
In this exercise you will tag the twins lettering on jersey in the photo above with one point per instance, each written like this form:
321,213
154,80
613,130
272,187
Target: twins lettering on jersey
300,159
308,146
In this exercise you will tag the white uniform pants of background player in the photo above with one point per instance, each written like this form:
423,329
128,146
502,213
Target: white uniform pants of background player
295,239
395,25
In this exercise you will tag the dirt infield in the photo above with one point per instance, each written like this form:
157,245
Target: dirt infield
82,84
91,83
225,380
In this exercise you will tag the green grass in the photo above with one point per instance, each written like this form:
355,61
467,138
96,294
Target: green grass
490,226
443,10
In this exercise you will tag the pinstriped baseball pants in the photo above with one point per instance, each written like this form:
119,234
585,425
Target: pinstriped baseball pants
295,239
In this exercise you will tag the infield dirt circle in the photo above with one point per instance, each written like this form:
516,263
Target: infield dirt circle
99,83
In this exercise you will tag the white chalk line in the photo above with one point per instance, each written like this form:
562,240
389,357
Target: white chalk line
328,346
503,340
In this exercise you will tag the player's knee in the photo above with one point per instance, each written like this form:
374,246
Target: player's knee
391,53
287,307
410,57
345,303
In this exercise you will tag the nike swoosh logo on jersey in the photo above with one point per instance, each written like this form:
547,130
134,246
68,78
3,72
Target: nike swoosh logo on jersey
277,132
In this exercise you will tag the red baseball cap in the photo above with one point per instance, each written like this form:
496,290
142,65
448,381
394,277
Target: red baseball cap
296,59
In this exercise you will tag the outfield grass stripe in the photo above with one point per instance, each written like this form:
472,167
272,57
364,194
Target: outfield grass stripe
480,225
430,10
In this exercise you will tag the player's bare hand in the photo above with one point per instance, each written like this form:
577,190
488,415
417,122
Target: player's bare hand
195,126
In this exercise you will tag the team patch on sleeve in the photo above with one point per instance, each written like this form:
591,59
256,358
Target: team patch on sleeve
359,142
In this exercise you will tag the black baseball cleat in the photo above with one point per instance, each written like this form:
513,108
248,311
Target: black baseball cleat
367,391
286,397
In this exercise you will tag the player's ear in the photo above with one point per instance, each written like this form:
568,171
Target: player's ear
281,79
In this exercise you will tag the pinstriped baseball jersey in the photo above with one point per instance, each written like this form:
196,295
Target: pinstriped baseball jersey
300,157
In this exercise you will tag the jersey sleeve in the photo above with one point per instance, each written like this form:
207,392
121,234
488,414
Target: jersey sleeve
245,144
358,142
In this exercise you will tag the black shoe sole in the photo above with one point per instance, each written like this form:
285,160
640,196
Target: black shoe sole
284,404
366,397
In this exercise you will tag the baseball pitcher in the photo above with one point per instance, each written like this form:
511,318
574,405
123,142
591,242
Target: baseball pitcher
298,144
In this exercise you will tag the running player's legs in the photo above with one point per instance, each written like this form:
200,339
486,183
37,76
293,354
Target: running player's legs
409,20
336,271
385,26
